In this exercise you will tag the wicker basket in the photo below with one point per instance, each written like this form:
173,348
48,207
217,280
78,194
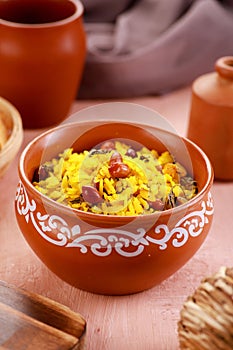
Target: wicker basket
206,319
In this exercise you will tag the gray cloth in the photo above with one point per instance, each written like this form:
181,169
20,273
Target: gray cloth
150,47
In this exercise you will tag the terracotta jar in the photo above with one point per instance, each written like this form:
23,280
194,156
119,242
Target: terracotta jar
42,53
211,117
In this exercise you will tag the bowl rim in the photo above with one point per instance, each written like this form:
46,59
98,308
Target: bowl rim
17,127
90,215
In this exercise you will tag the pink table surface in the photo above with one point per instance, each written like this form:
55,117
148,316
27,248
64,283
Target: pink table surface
143,321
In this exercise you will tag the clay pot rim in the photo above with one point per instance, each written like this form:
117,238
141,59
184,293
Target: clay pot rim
224,66
88,215
16,133
77,14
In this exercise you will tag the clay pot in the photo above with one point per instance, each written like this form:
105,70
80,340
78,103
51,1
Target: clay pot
211,117
42,55
110,254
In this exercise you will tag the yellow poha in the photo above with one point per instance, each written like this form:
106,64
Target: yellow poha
116,180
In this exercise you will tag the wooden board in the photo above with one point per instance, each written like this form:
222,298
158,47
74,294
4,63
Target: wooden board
29,321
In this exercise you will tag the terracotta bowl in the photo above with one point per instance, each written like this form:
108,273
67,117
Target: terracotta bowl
11,134
110,254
